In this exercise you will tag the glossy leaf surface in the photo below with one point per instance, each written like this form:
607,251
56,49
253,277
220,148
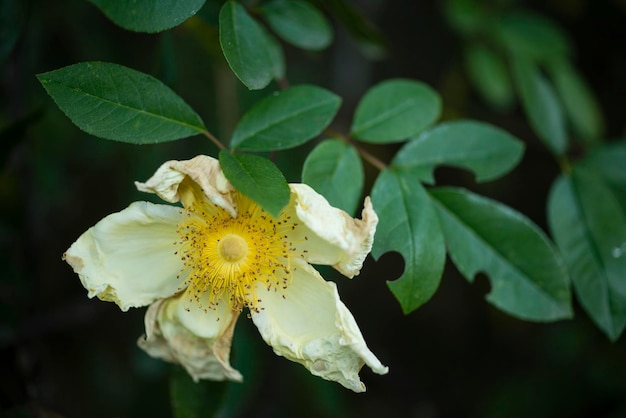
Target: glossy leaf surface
484,149
395,110
408,224
245,46
589,227
258,178
114,102
149,15
298,23
335,171
286,119
528,278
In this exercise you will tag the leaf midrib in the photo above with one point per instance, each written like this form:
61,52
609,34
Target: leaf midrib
123,106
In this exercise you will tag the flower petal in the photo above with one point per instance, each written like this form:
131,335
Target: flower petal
128,257
311,326
332,236
205,171
180,332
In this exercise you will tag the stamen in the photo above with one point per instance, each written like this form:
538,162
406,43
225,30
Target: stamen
226,258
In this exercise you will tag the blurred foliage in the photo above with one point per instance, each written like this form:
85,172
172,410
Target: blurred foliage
64,355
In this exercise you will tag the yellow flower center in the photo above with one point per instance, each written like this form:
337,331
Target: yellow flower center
232,248
231,257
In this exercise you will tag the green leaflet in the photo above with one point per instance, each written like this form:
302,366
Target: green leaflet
258,178
276,55
298,23
608,160
335,171
589,227
528,277
582,110
408,224
395,110
114,102
488,151
244,45
148,15
194,399
286,119
532,35
490,76
540,105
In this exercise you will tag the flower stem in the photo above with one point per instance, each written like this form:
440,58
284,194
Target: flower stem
214,140
370,158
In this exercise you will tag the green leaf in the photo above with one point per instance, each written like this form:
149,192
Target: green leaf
408,224
367,36
148,15
194,400
245,46
258,178
540,105
395,110
298,23
528,277
335,171
580,106
488,151
466,16
115,102
286,119
609,160
276,54
490,77
531,35
589,227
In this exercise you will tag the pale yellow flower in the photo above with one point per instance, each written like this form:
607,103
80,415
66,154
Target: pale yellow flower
199,266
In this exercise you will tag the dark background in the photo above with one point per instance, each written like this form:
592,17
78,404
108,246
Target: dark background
62,354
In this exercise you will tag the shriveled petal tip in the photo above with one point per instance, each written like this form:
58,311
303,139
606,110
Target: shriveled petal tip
169,337
311,326
205,171
333,237
128,257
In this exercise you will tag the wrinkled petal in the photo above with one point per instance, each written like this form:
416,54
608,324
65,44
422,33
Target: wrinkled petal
311,326
180,332
332,236
128,257
205,171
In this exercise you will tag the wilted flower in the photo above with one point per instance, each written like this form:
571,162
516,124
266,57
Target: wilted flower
199,266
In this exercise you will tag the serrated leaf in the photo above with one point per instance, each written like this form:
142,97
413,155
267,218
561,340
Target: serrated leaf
486,150
528,278
489,75
148,15
191,399
335,171
298,23
114,102
244,46
395,110
286,119
532,35
589,227
541,105
581,107
258,178
408,224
